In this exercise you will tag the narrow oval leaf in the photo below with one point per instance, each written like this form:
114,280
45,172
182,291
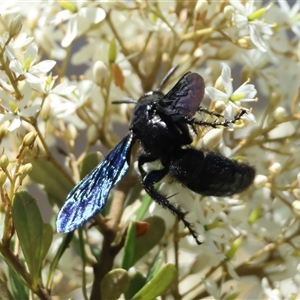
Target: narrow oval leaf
114,284
29,226
47,240
146,202
137,281
18,288
150,239
156,265
129,246
158,285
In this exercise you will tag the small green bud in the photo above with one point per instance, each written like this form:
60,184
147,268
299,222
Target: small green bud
92,134
29,139
4,161
45,112
25,169
71,132
15,26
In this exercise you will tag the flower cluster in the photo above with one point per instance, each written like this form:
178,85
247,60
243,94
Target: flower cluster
62,63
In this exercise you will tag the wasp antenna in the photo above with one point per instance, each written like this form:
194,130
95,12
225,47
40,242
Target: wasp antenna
124,101
166,78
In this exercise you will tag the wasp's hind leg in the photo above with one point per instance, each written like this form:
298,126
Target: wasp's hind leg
148,181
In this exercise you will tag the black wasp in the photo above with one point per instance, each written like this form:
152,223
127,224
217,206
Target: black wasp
161,124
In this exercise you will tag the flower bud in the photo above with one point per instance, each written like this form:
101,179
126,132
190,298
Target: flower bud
45,112
201,7
4,161
228,12
245,42
275,168
219,106
29,139
296,207
260,181
15,26
25,169
100,72
71,132
92,134
219,84
279,114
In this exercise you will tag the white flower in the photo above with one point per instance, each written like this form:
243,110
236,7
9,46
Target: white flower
46,86
79,20
244,93
257,29
17,43
65,99
27,67
290,15
16,110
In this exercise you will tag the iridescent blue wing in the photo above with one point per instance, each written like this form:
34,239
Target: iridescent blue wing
89,196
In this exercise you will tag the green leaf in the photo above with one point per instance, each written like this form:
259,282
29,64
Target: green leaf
146,202
18,289
129,246
137,247
150,239
114,284
156,265
47,240
63,246
158,285
30,229
137,281
56,185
